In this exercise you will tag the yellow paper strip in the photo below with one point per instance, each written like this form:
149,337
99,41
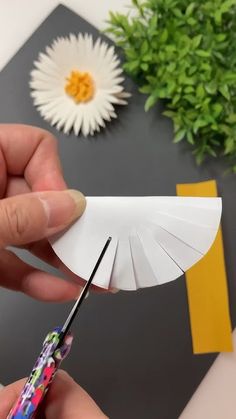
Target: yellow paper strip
207,288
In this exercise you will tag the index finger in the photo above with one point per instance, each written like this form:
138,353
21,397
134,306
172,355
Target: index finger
31,152
66,399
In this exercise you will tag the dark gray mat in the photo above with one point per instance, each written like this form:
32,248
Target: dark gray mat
132,351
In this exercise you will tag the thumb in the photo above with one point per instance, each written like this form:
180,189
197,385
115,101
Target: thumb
33,216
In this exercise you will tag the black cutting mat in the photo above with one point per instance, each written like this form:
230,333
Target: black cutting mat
132,351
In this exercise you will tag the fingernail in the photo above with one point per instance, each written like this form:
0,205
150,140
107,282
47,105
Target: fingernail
114,290
62,208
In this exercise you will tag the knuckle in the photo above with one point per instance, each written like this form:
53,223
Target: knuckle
16,221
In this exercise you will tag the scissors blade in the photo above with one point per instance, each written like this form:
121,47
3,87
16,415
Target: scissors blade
79,301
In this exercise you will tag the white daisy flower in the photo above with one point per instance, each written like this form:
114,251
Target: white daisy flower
76,83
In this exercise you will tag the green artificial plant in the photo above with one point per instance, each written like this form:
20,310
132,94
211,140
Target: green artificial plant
185,53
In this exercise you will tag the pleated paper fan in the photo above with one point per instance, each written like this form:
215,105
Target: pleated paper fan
154,239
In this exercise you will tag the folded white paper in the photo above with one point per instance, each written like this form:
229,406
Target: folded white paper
154,239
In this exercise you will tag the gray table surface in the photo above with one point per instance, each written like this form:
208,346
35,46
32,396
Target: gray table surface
132,351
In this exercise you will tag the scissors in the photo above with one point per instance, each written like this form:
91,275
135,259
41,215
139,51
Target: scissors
56,347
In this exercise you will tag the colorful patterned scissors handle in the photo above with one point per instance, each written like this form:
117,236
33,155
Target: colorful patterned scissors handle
42,375
55,348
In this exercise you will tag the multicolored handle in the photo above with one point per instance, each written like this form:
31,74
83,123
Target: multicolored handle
42,375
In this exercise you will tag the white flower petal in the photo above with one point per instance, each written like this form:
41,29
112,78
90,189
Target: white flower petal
44,97
123,94
78,123
86,125
70,122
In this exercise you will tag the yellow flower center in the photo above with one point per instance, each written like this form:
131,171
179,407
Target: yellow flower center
80,86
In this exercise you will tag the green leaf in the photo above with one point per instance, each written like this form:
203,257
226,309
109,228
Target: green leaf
183,79
190,9
211,87
192,70
205,67
150,102
229,145
164,36
176,99
130,54
209,118
218,17
220,57
191,21
217,109
162,56
136,3
196,40
171,67
144,47
171,49
146,89
224,90
199,123
220,37
170,114
231,119
147,57
191,99
152,24
144,66
202,53
184,51
176,124
131,66
211,152
226,129
229,76
189,89
190,138
177,12
200,91
151,79
179,135
161,93
199,158
226,5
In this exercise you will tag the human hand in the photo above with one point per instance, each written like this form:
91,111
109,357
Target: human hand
65,400
29,166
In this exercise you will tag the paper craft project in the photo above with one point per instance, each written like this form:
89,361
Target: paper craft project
154,239
76,83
